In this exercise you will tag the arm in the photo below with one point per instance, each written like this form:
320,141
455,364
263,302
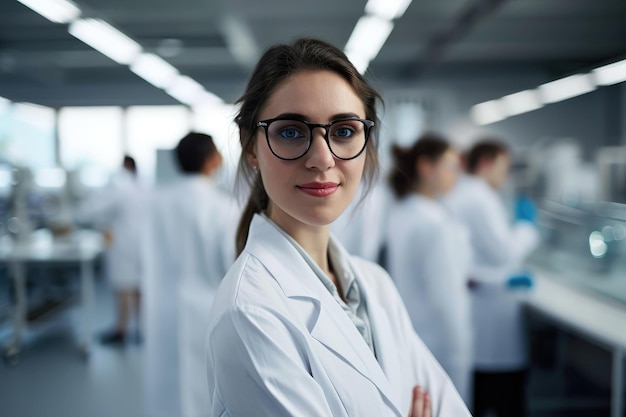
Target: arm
501,244
256,367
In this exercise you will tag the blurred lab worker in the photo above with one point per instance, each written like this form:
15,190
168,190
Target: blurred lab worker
190,245
428,254
299,327
118,210
499,249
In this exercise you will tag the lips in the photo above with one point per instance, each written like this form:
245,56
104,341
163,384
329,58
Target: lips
319,189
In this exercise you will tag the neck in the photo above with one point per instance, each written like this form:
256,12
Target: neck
315,243
313,239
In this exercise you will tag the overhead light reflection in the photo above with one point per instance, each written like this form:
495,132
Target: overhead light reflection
154,69
387,9
610,74
186,90
368,37
522,102
106,39
566,88
487,112
597,245
57,11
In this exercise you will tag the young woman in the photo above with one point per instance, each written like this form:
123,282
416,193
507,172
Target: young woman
300,328
429,254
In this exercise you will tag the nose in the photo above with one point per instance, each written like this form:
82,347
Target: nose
319,155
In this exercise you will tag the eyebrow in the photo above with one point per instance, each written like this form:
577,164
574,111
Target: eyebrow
298,116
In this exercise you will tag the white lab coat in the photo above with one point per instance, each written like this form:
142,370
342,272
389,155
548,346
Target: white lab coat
189,247
279,344
428,257
120,208
499,249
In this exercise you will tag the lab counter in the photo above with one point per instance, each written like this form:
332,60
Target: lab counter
77,248
597,319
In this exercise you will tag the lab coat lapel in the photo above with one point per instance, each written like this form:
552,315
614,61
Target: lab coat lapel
382,336
332,327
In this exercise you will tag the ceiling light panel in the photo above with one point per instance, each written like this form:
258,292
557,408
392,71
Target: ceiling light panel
106,39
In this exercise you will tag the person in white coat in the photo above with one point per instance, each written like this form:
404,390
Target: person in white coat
190,244
429,254
298,326
499,249
119,210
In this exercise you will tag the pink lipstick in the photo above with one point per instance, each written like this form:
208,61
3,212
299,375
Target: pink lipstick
319,189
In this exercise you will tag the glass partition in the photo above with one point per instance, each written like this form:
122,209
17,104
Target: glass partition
582,215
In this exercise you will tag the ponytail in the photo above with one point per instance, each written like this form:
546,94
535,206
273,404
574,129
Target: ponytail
257,202
405,177
403,173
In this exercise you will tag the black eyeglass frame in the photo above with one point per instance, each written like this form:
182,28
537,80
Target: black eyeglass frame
265,124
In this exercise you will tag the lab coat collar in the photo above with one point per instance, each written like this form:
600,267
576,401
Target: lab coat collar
332,327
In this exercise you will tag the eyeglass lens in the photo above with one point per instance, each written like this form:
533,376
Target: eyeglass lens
290,139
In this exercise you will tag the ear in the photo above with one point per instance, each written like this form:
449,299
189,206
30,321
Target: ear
250,152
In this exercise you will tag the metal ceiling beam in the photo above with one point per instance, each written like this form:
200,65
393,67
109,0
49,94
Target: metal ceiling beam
470,16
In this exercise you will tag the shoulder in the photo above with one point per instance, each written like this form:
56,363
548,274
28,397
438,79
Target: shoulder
247,284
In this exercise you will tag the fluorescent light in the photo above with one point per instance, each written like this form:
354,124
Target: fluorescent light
106,39
57,11
359,62
610,74
565,88
522,102
186,90
154,70
487,112
368,37
387,9
206,98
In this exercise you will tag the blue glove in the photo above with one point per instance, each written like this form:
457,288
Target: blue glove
525,209
523,280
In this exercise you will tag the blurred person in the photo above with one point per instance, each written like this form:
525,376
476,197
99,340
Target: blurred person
190,243
428,253
360,228
119,210
499,249
299,327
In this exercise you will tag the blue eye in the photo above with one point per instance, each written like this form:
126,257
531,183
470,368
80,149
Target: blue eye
343,132
290,133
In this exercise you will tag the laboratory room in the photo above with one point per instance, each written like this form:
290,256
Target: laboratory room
312,208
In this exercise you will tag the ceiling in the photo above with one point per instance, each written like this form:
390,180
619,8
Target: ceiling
41,63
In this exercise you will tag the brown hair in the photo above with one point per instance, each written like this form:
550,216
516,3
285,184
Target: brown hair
276,64
404,176
193,150
485,149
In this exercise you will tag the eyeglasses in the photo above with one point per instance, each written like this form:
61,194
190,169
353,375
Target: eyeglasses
290,139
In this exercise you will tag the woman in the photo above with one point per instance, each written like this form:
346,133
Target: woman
298,327
429,254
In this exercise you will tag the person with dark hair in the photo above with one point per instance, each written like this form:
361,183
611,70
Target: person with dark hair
117,210
428,253
499,248
298,326
190,244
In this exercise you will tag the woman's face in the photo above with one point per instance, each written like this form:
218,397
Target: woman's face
447,171
315,189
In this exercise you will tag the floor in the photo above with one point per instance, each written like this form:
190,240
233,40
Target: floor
54,379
